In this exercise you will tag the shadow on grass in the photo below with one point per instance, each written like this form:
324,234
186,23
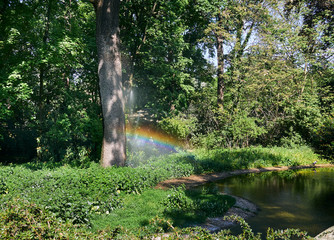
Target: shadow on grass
188,207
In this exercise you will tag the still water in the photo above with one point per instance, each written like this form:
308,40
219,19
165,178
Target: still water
301,199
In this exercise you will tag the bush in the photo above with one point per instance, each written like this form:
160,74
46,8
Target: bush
324,138
192,206
177,201
20,219
178,126
73,137
76,194
292,139
211,140
23,220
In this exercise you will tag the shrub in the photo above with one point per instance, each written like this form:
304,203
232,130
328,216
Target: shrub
75,194
3,187
178,126
211,140
178,201
324,138
187,206
292,139
23,220
20,219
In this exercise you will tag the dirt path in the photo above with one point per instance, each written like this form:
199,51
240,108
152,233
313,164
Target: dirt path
197,180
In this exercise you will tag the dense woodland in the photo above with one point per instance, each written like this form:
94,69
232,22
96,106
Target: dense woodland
215,74
242,83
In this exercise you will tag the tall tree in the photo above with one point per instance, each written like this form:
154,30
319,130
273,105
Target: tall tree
233,24
159,53
110,81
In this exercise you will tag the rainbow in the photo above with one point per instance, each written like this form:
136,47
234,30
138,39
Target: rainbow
146,136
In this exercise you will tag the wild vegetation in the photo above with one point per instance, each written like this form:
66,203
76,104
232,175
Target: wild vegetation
241,83
275,81
43,200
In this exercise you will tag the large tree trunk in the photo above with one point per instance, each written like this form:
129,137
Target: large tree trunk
110,81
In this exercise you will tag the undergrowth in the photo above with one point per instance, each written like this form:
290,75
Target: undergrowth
79,196
20,219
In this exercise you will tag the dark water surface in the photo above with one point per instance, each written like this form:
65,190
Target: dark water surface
301,199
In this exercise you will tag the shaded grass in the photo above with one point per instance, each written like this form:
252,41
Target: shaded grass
203,203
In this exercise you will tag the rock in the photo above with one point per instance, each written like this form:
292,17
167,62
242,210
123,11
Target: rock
328,234
243,208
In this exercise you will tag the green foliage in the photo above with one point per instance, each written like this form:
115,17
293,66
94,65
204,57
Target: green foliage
75,194
224,159
324,138
190,206
286,234
3,187
47,83
163,60
211,140
178,126
20,219
244,129
23,220
162,225
74,137
292,139
177,201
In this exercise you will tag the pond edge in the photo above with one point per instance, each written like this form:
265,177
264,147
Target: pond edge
198,180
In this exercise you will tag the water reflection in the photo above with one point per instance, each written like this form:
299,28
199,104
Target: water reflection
301,199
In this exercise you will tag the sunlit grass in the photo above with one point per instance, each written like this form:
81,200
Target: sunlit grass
219,160
139,210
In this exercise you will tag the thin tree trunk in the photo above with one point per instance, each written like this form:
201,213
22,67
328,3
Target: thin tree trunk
110,81
220,61
220,74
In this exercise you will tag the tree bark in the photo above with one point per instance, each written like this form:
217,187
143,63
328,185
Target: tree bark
220,61
110,82
220,73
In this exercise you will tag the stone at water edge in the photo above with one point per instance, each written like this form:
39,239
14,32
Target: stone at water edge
328,234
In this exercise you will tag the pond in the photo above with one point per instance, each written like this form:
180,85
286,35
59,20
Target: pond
301,199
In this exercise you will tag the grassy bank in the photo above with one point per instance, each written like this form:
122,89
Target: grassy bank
254,157
122,198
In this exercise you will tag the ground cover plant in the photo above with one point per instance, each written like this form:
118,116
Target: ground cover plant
74,194
182,207
190,65
219,160
99,197
20,219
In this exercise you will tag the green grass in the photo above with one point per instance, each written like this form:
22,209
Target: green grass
110,197
253,157
139,210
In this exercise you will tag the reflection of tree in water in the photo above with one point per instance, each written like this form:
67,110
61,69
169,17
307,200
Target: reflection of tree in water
300,182
298,199
324,202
